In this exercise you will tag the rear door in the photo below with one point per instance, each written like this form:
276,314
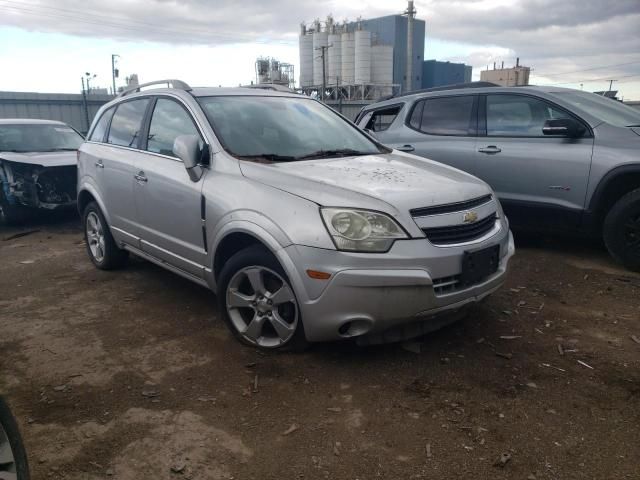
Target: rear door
116,167
541,180
438,128
168,202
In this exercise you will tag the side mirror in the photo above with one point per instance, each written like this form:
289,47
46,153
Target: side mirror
565,127
187,149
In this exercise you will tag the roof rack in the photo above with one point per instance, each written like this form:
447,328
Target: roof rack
456,86
179,84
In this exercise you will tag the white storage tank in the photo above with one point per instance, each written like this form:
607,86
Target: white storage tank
348,54
320,39
382,64
306,59
363,57
335,58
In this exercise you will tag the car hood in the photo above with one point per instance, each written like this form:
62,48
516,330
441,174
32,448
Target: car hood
46,159
400,180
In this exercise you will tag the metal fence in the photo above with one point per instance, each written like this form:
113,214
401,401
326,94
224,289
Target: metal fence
68,108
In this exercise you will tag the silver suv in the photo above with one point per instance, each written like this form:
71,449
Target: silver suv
307,228
558,159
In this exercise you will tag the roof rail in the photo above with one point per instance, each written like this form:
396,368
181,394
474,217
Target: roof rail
179,84
455,86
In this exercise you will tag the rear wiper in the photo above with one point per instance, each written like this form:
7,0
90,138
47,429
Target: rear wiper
60,150
344,152
271,157
634,125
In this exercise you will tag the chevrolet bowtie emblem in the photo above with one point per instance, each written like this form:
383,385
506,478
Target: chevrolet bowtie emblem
469,217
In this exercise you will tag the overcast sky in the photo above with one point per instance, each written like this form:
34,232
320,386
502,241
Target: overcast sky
46,45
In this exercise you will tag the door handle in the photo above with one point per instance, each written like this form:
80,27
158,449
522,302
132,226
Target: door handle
490,149
406,148
140,177
99,164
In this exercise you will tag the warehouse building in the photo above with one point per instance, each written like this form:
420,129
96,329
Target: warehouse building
438,74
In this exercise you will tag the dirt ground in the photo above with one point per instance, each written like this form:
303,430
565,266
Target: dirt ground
131,375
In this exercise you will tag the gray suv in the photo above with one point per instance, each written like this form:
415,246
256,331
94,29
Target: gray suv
558,159
306,227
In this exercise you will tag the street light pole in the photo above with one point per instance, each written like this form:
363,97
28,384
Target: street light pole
84,101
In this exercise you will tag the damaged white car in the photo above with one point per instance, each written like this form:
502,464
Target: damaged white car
38,167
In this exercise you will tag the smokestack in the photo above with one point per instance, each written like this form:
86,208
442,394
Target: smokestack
502,65
411,12
494,65
517,61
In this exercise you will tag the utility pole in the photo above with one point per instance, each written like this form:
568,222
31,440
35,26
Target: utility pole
89,78
323,53
411,14
114,71
611,83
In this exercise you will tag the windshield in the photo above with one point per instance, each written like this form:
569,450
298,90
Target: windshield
38,138
283,129
606,109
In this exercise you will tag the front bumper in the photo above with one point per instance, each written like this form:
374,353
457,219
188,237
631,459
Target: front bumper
369,294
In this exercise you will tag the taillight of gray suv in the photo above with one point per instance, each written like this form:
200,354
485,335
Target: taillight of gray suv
560,160
305,227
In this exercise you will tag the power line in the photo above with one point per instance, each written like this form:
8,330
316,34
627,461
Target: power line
603,79
585,69
130,25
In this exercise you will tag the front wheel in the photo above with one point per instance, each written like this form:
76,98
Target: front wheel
622,230
13,458
258,303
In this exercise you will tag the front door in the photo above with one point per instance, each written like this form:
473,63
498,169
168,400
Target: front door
540,180
168,202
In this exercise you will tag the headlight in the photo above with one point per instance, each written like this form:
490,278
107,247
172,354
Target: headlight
361,230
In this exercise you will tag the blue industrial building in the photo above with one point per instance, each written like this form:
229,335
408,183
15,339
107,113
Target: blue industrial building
438,74
392,30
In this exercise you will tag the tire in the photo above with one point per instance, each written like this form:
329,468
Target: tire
13,457
622,230
101,247
13,214
257,302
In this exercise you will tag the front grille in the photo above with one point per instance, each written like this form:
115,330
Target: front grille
450,207
460,233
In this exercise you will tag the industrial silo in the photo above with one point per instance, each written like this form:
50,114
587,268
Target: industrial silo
306,58
348,54
335,59
382,66
362,57
320,39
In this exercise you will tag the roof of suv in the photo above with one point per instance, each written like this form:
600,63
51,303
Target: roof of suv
28,121
470,90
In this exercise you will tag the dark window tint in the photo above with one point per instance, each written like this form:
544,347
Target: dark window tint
382,119
127,123
519,115
448,116
169,120
101,127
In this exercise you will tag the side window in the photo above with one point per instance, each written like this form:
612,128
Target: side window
416,116
448,116
382,119
169,120
127,123
519,115
101,127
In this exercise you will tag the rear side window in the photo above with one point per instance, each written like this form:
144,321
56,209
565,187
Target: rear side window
127,123
445,116
382,119
169,120
101,127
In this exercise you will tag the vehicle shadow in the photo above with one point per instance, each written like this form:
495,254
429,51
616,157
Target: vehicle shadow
50,221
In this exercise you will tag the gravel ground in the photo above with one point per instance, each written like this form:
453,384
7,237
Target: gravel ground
131,375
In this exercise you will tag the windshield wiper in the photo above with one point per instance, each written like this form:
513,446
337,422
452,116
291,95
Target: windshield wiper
343,152
271,157
634,125
63,149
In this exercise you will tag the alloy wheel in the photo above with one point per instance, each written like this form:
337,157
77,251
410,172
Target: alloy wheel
262,306
95,236
7,459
